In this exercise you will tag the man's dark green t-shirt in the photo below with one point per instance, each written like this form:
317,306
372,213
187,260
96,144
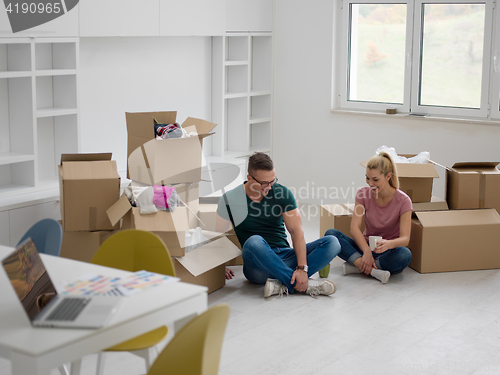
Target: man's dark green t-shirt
264,218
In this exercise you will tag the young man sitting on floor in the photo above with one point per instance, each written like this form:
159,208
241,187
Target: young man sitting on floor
259,210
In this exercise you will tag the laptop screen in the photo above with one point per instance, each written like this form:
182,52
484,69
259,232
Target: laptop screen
29,278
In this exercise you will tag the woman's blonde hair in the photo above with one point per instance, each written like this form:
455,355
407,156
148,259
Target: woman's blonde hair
386,165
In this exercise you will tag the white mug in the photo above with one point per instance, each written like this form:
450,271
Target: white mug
372,240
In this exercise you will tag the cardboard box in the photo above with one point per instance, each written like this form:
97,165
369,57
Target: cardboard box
205,265
337,216
455,240
415,179
170,226
89,184
436,204
208,217
167,161
83,245
473,185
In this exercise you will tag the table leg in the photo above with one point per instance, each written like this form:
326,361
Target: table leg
22,365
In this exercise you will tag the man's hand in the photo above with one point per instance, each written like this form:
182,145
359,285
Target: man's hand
229,273
301,279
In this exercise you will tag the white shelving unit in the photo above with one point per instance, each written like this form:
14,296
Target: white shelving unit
242,94
38,111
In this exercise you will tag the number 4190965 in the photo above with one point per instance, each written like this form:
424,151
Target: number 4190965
34,8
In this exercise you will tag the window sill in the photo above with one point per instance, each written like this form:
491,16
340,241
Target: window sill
425,118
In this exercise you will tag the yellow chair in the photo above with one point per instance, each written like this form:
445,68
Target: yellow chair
196,348
136,250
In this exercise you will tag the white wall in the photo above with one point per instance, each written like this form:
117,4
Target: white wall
331,145
119,75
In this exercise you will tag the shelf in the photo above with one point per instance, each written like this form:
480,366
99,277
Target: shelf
259,120
236,48
14,157
55,72
236,78
233,95
55,55
232,63
260,136
15,74
51,112
15,57
38,112
260,93
242,94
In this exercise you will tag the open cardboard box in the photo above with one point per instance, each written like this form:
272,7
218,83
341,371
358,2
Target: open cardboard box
167,161
339,216
336,216
455,240
415,179
473,185
203,265
89,184
208,217
170,226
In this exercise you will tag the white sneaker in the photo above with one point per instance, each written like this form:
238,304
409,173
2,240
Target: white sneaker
323,287
273,287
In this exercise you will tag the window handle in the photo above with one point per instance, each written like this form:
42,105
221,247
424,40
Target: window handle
408,60
495,63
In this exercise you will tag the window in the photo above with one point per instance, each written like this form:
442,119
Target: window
421,56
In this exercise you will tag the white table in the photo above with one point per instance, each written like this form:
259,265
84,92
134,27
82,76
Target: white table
36,351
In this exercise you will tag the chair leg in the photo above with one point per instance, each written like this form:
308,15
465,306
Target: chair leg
149,355
63,370
76,367
100,363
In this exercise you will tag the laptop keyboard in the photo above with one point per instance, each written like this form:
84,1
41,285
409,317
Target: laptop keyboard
68,309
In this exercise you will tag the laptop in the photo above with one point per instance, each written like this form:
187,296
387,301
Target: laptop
39,298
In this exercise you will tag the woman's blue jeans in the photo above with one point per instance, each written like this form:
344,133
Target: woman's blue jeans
393,260
260,262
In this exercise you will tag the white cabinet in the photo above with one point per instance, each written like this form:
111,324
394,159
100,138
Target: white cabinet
192,17
22,219
119,18
249,15
4,228
65,25
242,93
38,111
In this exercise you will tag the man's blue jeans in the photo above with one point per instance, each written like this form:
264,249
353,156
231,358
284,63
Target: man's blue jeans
260,262
393,260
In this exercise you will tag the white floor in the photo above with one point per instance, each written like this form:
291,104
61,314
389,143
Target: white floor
446,323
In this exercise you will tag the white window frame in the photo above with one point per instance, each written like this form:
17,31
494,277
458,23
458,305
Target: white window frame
495,68
490,87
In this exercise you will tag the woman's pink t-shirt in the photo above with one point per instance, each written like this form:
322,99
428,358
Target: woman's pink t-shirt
383,221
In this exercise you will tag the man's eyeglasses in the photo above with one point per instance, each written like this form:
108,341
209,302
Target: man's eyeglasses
265,184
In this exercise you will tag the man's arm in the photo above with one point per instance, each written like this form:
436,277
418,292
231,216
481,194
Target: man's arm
293,223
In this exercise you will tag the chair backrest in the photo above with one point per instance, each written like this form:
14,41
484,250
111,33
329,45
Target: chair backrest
47,236
196,348
135,250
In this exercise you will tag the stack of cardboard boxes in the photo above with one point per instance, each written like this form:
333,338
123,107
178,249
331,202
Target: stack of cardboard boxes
101,211
461,233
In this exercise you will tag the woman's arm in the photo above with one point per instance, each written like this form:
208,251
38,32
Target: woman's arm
367,261
404,235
